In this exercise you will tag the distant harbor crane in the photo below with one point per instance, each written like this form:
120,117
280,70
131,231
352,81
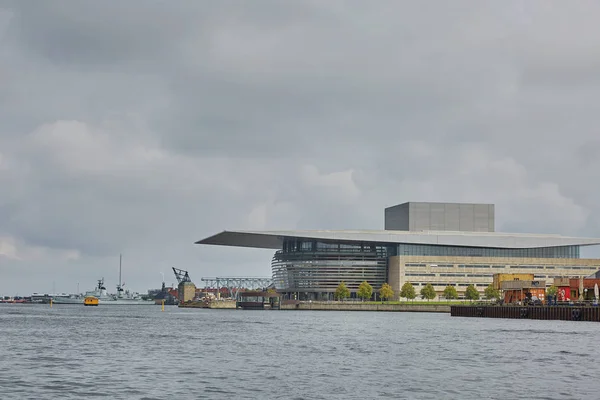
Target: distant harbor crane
181,275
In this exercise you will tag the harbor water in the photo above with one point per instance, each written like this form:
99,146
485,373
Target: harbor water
125,352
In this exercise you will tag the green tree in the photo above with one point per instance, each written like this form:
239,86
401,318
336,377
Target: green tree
471,293
386,292
365,291
552,290
450,292
491,293
408,291
342,291
428,292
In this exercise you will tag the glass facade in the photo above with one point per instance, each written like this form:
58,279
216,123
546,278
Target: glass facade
312,270
460,251
306,269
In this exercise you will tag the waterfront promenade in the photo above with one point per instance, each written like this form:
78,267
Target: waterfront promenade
365,306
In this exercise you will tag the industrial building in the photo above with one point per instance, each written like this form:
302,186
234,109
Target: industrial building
438,243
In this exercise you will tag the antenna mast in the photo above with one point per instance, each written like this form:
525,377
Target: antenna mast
120,261
120,285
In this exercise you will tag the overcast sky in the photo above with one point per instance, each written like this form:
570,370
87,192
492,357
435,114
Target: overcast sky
139,128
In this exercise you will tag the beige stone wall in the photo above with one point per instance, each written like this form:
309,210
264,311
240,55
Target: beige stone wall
400,270
395,274
187,291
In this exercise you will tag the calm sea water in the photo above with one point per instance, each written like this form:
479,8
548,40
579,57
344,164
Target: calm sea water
129,352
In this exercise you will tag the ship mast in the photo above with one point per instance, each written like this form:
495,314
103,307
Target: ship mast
120,285
120,263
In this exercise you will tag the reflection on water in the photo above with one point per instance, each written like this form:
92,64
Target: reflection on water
74,352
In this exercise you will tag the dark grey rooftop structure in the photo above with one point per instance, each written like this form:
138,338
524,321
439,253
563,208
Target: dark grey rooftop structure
457,217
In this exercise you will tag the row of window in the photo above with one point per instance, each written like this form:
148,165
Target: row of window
452,266
307,245
460,251
450,284
292,246
419,274
541,267
538,267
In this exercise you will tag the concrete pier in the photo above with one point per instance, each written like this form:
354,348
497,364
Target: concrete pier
218,304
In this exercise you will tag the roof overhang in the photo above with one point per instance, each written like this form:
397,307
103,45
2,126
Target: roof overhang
274,239
244,239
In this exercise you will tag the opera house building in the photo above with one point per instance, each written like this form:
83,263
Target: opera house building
438,243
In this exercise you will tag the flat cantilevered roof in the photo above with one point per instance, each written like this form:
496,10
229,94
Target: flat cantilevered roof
274,239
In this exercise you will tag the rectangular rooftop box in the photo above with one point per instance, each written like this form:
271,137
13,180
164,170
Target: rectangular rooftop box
421,216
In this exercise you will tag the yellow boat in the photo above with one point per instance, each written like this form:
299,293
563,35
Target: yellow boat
90,301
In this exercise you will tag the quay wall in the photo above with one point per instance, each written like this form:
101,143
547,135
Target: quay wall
563,313
222,304
212,304
342,306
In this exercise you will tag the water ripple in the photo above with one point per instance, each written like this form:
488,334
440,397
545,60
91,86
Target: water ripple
143,353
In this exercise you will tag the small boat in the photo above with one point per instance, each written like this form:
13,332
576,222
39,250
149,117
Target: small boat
90,301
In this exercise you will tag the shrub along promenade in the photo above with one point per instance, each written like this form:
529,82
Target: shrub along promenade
365,292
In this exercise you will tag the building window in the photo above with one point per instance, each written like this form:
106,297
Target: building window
462,251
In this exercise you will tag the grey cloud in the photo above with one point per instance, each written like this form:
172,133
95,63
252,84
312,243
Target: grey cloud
92,35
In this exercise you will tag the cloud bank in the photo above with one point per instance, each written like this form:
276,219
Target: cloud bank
140,130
